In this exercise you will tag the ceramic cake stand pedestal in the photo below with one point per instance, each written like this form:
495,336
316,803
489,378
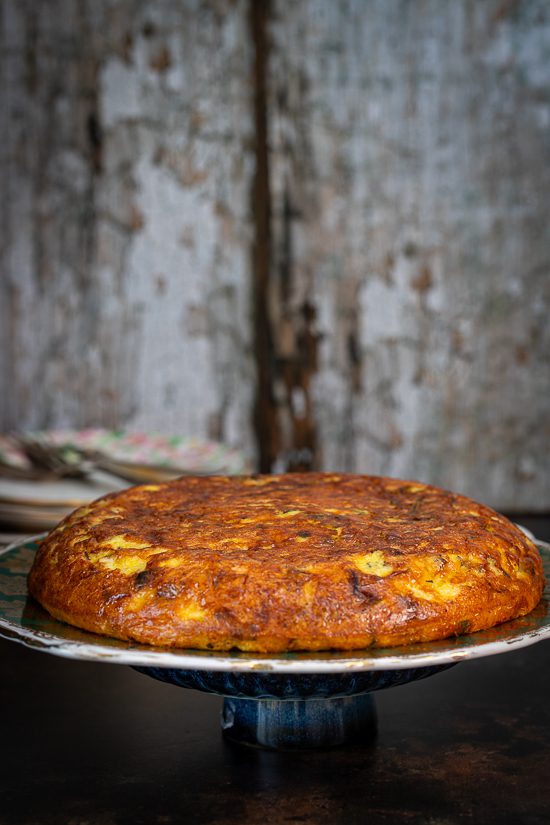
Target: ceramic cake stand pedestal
279,701
295,711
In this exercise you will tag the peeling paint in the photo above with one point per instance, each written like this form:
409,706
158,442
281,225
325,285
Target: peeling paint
133,214
418,167
403,324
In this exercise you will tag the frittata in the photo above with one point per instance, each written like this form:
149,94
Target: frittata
272,563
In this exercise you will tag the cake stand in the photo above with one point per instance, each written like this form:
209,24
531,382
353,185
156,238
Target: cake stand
280,701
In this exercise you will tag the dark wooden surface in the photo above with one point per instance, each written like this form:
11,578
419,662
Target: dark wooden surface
88,744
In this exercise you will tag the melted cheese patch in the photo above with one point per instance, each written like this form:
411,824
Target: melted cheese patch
137,601
432,578
171,562
128,564
374,564
191,613
434,591
310,589
124,543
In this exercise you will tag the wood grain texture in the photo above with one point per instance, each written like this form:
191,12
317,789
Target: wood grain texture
410,185
126,228
401,221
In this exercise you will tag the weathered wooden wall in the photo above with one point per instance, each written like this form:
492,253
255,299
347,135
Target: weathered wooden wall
315,229
127,165
410,184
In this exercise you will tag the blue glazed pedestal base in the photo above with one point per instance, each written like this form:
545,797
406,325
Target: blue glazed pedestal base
299,724
297,711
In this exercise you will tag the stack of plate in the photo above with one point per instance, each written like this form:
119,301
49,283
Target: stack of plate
31,506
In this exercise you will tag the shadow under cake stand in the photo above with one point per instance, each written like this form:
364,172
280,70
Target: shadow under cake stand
279,701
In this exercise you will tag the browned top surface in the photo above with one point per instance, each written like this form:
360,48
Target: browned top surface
296,561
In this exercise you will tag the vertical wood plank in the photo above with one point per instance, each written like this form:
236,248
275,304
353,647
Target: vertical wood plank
126,230
410,184
266,422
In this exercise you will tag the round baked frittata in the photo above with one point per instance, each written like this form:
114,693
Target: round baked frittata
286,562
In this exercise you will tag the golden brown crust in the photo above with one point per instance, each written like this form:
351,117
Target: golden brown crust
291,562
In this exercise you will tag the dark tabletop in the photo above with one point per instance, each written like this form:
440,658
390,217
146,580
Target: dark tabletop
95,744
